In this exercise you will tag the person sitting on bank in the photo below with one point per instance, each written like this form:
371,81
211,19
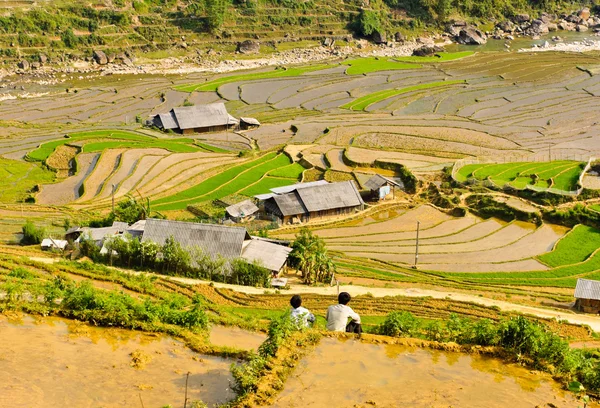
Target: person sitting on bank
301,315
338,315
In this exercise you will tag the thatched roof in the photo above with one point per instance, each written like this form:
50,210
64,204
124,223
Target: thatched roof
211,238
587,289
378,181
202,116
330,196
269,255
243,209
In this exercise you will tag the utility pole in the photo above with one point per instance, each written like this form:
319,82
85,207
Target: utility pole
113,198
417,246
549,151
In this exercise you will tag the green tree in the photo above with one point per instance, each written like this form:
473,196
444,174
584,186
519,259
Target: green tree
368,22
174,257
215,14
310,257
132,210
70,39
32,235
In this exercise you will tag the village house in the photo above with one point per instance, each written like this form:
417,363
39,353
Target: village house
382,188
312,201
249,123
98,235
242,212
587,296
219,240
196,119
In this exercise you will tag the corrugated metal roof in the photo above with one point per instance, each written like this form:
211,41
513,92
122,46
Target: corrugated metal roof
120,225
167,121
330,196
243,209
378,181
269,255
201,116
54,243
289,189
98,234
264,196
213,239
137,226
587,289
290,204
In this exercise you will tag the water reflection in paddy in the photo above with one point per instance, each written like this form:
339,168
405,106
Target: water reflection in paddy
348,374
62,363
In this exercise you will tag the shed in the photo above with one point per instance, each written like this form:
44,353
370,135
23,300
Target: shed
587,296
249,123
137,228
381,187
242,212
196,119
269,255
50,243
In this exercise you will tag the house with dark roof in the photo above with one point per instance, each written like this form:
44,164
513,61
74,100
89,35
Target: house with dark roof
314,202
212,117
382,187
218,240
587,296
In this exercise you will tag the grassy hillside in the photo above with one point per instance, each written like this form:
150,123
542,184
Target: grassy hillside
29,27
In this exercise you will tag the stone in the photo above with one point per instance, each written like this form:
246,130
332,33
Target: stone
584,13
43,58
379,37
36,65
427,51
399,37
582,28
328,42
111,58
507,26
538,27
522,18
459,23
100,57
23,64
573,19
566,26
546,18
248,47
471,36
552,27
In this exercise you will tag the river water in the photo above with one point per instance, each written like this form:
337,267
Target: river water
56,362
353,374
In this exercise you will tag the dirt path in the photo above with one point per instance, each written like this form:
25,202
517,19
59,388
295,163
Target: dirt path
592,321
354,290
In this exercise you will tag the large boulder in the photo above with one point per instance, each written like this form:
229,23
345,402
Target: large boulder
100,57
566,26
538,27
379,37
582,28
248,47
573,19
43,58
584,13
427,51
507,26
552,27
23,64
399,37
470,35
522,18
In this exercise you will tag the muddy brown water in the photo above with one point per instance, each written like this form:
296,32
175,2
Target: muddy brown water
350,373
56,362
236,337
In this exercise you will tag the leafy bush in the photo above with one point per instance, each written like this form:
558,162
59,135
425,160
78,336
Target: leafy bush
400,324
32,235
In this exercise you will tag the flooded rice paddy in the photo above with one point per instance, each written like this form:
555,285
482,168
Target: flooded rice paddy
236,337
55,362
350,373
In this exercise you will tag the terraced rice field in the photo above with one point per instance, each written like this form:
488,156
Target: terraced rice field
250,178
562,175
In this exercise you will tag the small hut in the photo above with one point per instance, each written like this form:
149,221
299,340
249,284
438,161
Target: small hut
382,187
242,212
49,244
249,123
587,295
